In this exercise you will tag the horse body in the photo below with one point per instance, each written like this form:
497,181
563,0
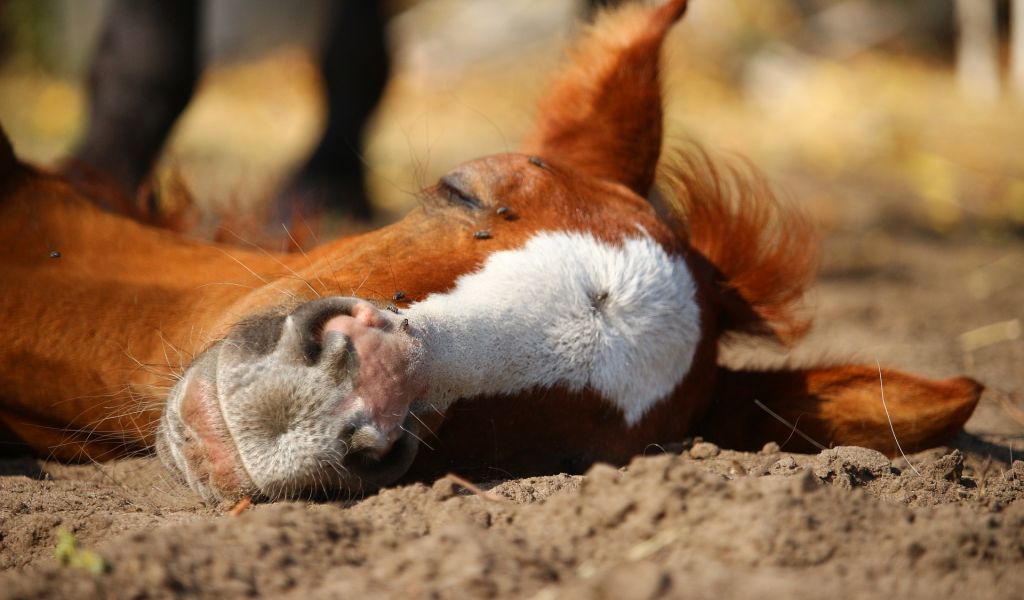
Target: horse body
546,316
85,327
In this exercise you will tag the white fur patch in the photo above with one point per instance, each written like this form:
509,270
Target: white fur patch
566,309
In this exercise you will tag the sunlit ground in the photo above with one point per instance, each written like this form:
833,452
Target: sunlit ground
874,139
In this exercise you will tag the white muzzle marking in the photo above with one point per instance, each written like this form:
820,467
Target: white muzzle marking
565,309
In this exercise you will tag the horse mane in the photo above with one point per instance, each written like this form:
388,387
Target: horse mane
764,252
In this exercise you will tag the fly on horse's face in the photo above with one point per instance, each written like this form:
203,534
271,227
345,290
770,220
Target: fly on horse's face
549,317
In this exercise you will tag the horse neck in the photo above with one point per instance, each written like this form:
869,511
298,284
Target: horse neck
100,310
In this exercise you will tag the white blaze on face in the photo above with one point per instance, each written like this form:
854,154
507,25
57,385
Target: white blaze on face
565,309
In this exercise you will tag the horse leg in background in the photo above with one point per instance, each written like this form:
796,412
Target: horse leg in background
142,77
591,7
355,67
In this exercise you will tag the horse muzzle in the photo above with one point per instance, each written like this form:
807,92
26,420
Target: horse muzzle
315,401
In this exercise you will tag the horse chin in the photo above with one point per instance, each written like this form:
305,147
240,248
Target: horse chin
319,411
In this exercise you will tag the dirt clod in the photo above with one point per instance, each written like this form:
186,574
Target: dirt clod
702,450
850,466
949,467
784,466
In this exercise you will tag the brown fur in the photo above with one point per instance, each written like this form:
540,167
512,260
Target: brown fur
765,254
590,117
838,406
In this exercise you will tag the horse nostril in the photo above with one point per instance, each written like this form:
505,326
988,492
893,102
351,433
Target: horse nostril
308,321
346,433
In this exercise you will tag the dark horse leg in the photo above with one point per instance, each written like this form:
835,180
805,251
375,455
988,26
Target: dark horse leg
590,7
142,77
145,70
355,68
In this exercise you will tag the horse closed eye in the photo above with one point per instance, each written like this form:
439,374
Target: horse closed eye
456,192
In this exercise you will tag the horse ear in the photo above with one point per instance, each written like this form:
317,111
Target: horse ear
838,406
602,115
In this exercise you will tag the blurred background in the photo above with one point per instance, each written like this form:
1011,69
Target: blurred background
877,115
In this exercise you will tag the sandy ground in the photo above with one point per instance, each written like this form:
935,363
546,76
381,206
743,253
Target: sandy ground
690,523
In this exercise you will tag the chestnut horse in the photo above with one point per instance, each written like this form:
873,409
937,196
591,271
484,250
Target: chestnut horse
546,316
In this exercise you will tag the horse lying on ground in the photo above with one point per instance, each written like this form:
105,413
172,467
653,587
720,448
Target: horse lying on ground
546,316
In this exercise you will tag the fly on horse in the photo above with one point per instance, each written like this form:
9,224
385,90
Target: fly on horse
546,315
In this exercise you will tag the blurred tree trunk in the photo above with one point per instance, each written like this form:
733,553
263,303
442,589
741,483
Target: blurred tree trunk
1017,46
977,61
